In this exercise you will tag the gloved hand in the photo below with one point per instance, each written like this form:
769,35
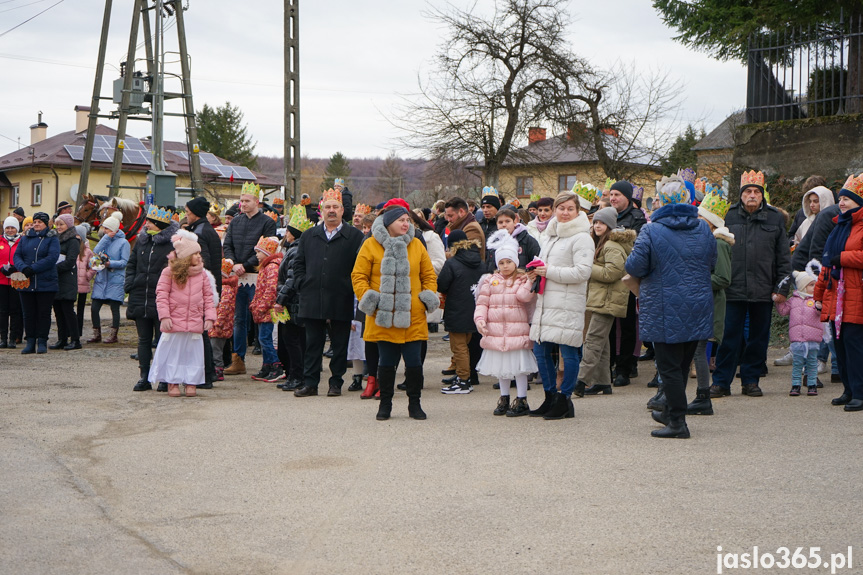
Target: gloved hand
836,261
8,270
28,271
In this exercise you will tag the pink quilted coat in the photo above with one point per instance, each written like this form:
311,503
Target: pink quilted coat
503,306
85,274
805,321
187,306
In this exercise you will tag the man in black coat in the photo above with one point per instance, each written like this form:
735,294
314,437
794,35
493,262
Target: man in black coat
322,269
241,237
147,258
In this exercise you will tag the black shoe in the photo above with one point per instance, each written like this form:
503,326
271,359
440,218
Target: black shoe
276,374
11,344
621,380
265,372
648,355
206,386
356,383
658,401
134,357
329,352
674,430
660,416
841,400
4,344
752,390
502,405
402,386
41,345
633,370
518,408
60,344
854,405
451,379
74,345
256,350
718,391
30,347
142,385
701,405
562,408
334,391
579,389
598,389
546,405
292,385
306,391
655,381
447,372
162,387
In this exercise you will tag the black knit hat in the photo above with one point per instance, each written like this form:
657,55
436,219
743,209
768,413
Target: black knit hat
456,236
19,211
42,216
233,210
198,206
624,188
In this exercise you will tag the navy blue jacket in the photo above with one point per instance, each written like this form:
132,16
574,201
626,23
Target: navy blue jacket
674,256
39,251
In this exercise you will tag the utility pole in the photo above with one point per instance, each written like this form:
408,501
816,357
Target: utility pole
292,101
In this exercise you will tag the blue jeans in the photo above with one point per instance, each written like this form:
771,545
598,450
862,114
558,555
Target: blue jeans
829,349
750,351
547,370
241,318
265,338
805,354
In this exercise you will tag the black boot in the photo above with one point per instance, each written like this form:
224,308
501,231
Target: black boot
356,382
579,389
546,405
61,343
562,408
502,405
41,345
658,401
655,381
75,344
162,387
30,347
701,405
676,429
660,416
598,389
518,408
4,343
386,382
143,384
414,381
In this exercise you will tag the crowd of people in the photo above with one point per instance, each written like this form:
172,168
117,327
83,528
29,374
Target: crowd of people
565,292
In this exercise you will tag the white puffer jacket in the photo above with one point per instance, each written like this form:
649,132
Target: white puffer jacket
568,254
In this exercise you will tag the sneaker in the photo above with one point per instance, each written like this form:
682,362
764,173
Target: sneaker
262,375
278,374
446,337
812,390
718,391
822,367
752,390
220,374
795,391
786,359
458,387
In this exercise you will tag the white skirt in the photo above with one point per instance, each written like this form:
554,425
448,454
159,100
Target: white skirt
507,364
356,343
179,358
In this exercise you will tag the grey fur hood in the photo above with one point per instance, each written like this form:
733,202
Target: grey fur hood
163,237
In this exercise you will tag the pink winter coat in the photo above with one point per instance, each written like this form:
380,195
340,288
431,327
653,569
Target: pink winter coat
85,274
805,321
503,306
187,306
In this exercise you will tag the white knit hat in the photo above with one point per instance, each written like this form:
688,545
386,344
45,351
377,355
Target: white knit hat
11,222
504,245
113,221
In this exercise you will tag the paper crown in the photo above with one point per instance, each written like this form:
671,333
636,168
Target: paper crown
215,209
700,185
362,209
490,191
268,245
158,214
227,266
672,190
854,184
339,182
717,206
515,202
586,192
608,183
535,197
637,192
711,189
331,194
273,215
305,200
687,175
278,202
297,219
251,189
753,178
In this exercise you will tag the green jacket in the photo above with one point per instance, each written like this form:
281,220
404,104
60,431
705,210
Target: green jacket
606,293
721,279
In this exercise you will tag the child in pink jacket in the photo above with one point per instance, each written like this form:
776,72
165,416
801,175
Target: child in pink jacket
502,316
806,332
185,300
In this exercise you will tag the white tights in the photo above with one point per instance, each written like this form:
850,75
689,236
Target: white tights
520,385
359,366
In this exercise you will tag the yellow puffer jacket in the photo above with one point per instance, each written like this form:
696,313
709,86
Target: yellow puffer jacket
366,279
606,293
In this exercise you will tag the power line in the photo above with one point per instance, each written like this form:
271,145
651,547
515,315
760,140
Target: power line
30,18
22,6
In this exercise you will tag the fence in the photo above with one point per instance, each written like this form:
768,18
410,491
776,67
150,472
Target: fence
806,72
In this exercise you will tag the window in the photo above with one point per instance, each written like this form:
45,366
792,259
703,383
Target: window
523,186
37,194
565,183
14,197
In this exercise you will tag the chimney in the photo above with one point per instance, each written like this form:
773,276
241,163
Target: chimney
82,118
535,135
610,132
38,131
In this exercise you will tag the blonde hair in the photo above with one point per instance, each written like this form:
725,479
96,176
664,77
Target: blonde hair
180,268
564,197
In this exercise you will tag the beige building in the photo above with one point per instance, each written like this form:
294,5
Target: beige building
715,151
39,176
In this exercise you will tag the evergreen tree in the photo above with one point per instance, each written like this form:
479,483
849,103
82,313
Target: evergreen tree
681,154
339,167
221,132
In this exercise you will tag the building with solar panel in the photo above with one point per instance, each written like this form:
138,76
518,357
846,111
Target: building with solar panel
40,176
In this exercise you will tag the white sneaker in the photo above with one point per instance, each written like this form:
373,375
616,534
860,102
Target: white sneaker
786,359
822,367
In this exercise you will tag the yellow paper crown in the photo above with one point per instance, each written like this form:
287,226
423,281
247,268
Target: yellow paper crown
586,191
608,183
535,197
298,220
854,184
215,209
753,178
331,194
714,204
363,209
158,214
252,189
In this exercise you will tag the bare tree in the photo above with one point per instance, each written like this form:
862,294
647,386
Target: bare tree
391,179
489,82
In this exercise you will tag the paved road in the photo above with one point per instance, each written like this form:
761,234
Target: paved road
247,479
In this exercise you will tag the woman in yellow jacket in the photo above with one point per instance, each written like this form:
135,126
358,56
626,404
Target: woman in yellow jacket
395,284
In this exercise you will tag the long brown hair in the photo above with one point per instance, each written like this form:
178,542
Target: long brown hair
180,268
599,241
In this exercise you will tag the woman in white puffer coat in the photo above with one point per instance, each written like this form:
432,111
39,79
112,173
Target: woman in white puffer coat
559,317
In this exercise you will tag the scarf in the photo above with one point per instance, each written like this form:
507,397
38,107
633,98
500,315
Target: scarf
394,307
541,225
835,244
460,225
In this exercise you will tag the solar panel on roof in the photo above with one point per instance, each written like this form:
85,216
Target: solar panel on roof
244,173
101,155
75,152
135,144
225,171
209,159
135,157
184,155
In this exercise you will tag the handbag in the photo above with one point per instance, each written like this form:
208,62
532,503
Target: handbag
633,283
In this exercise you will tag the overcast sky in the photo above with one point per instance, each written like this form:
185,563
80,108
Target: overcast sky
356,58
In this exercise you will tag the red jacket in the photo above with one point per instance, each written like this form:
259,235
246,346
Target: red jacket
6,254
852,266
223,328
266,288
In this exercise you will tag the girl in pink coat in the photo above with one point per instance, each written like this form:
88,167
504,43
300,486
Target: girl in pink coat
185,300
502,316
805,329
